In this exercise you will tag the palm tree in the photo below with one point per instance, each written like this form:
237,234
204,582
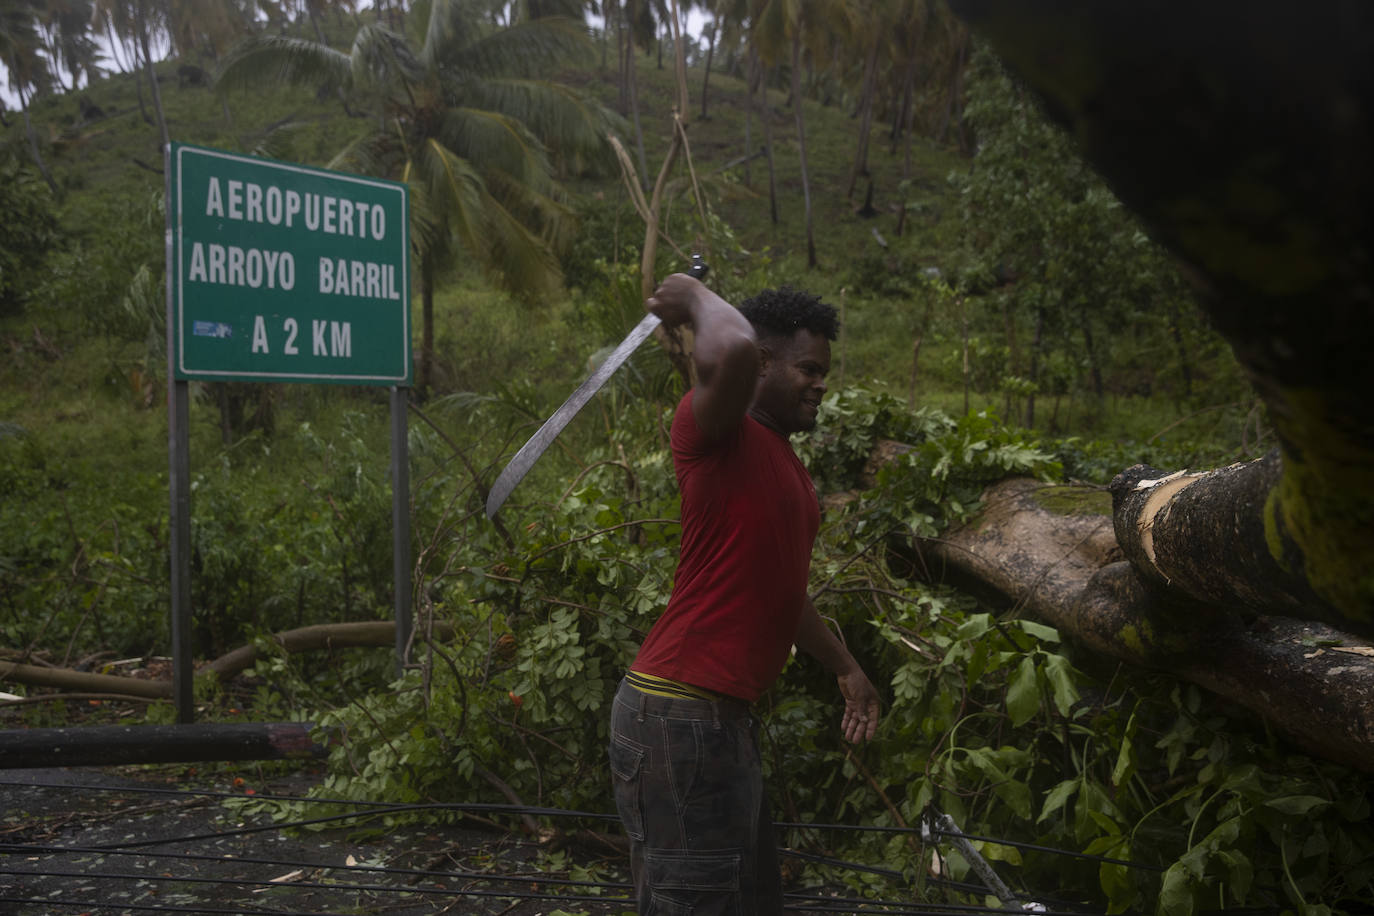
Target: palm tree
21,51
138,22
66,32
468,120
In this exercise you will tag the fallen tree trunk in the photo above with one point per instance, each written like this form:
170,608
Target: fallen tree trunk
1310,681
321,636
67,679
369,633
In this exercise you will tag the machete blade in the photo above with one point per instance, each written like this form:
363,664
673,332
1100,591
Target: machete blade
531,451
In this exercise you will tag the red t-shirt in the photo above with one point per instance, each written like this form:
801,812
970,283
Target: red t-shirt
749,519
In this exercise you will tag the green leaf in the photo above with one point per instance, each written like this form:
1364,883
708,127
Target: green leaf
1039,630
975,626
1059,673
1115,878
1057,798
1017,796
1175,893
1297,805
1240,873
1023,693
1125,757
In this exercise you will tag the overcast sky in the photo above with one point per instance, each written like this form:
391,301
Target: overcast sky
695,20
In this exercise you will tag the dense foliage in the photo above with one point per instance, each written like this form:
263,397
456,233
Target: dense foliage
1165,798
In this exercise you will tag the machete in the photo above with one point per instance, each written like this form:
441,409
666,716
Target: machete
529,453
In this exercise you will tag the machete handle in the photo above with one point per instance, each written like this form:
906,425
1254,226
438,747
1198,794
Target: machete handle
699,268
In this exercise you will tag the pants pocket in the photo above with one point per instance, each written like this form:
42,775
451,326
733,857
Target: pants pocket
690,883
627,764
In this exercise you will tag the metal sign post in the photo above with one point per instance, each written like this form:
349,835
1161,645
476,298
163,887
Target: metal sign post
278,272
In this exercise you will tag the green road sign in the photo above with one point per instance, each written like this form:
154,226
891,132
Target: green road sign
284,273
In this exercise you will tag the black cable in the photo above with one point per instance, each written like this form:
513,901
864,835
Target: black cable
1050,849
853,866
97,905
383,807
870,828
374,809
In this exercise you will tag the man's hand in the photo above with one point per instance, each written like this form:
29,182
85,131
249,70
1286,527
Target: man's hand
676,298
861,707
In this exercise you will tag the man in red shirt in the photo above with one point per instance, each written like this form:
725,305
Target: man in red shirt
684,741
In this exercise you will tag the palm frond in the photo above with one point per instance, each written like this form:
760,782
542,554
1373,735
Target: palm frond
485,136
450,25
526,49
276,143
429,237
274,59
383,58
517,259
455,194
509,253
373,152
553,220
563,118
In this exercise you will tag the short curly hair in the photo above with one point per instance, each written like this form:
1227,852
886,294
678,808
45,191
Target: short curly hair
784,311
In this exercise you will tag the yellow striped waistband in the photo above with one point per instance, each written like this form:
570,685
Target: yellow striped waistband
657,686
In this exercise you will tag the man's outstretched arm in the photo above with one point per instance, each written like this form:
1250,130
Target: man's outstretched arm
862,705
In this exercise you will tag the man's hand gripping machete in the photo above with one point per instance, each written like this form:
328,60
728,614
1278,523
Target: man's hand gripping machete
529,452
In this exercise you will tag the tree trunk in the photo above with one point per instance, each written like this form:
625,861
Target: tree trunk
144,39
801,145
622,86
706,76
32,138
916,354
1185,364
1313,683
1094,367
768,144
315,21
908,129
632,89
1037,346
426,378
368,633
1206,538
870,84
750,84
117,745
963,317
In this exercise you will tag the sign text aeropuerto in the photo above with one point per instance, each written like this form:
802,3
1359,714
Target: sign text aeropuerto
283,272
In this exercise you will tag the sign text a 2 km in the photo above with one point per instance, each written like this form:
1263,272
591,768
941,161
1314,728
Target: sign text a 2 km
286,273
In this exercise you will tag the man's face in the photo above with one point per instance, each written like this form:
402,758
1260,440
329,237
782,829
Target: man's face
791,382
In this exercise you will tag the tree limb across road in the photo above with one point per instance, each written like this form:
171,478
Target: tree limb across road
375,633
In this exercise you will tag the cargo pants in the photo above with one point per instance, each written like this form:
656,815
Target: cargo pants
689,791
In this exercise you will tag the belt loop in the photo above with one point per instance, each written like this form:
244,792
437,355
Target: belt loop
642,698
715,713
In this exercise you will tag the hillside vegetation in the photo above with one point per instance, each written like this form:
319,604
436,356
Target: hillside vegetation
1002,314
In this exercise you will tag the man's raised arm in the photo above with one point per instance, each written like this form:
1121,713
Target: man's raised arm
726,355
